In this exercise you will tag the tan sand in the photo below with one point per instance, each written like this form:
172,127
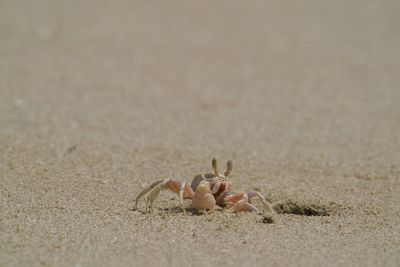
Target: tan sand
97,100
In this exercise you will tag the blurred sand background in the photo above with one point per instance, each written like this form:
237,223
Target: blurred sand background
100,98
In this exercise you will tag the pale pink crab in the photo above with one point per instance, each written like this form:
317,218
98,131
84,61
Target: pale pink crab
206,191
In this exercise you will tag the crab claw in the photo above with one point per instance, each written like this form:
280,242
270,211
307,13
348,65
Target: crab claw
243,205
203,199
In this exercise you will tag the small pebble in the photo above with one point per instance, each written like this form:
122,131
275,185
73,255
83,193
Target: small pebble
268,219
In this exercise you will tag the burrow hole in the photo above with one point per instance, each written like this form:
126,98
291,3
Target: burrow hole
304,209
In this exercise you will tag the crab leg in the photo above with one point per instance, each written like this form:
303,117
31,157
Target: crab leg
147,189
151,197
266,204
182,189
243,205
242,201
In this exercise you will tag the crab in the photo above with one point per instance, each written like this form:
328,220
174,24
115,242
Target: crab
206,191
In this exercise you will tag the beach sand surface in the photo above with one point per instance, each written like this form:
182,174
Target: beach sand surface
98,99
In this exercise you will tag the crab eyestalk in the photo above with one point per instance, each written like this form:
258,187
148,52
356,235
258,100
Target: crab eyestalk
214,165
229,167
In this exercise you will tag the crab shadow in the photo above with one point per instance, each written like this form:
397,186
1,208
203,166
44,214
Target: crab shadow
172,210
288,206
178,210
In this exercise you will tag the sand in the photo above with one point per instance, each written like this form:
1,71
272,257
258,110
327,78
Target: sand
98,100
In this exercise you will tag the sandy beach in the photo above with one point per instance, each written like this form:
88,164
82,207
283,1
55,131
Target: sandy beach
100,99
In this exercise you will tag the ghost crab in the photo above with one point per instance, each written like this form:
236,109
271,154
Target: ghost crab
206,191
